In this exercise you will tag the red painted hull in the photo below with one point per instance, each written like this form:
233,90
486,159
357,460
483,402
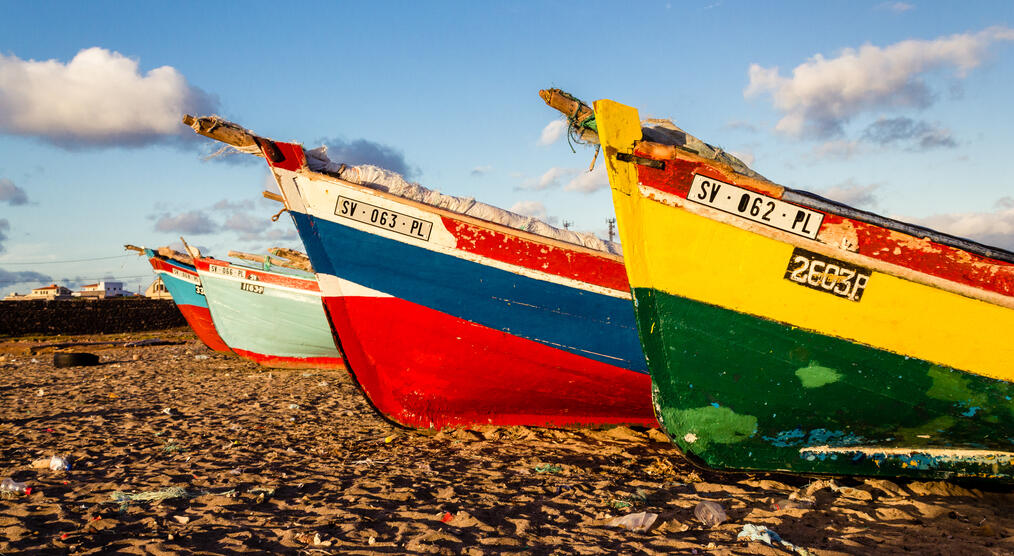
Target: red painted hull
199,319
283,362
418,367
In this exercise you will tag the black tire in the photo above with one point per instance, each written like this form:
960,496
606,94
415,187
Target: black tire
64,359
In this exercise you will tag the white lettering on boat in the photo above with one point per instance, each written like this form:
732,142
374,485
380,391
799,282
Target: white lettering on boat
252,288
227,271
828,275
755,206
185,276
383,218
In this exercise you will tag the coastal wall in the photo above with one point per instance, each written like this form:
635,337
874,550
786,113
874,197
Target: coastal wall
18,318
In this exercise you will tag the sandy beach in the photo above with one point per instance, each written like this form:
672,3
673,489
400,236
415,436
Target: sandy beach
177,449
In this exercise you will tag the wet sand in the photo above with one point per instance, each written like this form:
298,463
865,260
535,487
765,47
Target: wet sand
177,449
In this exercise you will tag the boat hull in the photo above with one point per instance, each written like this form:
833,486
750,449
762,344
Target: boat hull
471,325
272,324
183,285
762,361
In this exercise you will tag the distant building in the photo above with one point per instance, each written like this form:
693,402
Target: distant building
49,292
157,290
102,290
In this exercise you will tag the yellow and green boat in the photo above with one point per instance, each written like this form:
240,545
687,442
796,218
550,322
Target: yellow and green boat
787,332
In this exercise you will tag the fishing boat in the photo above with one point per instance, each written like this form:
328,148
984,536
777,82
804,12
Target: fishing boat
451,312
788,332
271,314
184,285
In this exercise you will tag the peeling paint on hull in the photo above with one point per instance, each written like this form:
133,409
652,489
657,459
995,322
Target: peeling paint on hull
894,359
469,323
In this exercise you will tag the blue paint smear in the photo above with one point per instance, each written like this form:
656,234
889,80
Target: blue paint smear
971,411
816,437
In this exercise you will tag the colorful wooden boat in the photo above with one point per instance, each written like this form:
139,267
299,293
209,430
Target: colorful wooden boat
788,332
448,319
183,283
271,315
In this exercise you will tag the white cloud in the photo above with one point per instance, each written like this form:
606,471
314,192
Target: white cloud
852,194
896,7
823,94
994,228
589,182
534,209
551,178
481,170
98,98
552,132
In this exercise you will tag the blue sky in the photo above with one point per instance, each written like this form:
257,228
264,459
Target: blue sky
899,107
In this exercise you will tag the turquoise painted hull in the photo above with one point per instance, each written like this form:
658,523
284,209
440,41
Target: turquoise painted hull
281,322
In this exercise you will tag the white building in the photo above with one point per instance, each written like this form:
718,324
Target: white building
102,290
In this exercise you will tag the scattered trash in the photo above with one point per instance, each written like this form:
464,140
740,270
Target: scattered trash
547,468
237,471
68,359
388,439
168,411
56,463
620,504
789,504
41,392
761,533
200,357
181,519
710,513
448,516
157,495
641,521
319,541
293,406
10,486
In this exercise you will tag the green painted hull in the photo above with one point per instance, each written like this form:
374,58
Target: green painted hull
742,392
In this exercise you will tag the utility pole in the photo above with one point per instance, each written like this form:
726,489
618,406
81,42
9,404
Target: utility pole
612,228
567,224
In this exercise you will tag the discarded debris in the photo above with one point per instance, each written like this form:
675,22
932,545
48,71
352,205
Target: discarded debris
149,496
547,468
710,513
761,533
641,521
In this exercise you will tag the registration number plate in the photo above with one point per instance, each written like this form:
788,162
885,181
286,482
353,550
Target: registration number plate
828,275
754,206
383,218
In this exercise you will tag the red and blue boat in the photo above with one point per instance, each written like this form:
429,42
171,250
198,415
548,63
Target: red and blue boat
183,283
451,312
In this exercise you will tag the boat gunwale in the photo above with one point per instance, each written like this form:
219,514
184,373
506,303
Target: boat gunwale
473,220
879,265
810,200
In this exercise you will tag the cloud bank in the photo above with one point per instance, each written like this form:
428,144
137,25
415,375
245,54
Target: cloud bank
994,228
192,222
824,94
5,227
99,98
12,194
362,151
8,278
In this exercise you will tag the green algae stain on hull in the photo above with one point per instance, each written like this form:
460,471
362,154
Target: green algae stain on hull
741,392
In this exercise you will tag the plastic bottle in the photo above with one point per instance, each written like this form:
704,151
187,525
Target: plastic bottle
710,513
10,485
